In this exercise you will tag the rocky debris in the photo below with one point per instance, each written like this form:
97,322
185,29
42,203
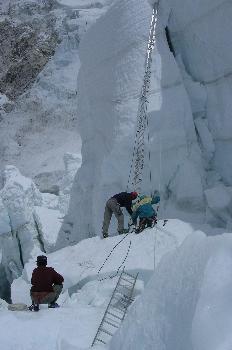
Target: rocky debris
25,48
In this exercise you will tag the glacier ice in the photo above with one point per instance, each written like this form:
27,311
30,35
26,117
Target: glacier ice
72,163
110,79
187,302
189,118
27,226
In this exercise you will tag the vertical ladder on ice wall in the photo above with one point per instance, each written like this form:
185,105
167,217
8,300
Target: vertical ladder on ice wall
137,162
116,310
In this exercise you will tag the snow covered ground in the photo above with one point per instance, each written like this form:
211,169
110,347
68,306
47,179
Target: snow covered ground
189,292
86,258
73,326
186,303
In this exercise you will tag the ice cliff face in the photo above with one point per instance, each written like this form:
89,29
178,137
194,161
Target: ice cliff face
29,220
184,300
200,36
189,120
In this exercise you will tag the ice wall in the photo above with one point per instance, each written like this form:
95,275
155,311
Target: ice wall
187,303
27,226
112,56
200,33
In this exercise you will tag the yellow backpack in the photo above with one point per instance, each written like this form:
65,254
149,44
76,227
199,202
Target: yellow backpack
142,200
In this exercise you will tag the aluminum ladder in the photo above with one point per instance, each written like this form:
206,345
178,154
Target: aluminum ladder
138,157
120,300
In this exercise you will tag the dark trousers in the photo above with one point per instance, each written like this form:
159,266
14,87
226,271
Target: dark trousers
112,207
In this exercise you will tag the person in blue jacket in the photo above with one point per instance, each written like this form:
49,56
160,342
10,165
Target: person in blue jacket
145,211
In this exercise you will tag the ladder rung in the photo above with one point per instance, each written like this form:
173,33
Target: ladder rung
109,319
112,305
111,324
119,309
122,285
126,273
124,300
123,294
128,297
110,313
125,305
100,340
117,297
105,331
124,279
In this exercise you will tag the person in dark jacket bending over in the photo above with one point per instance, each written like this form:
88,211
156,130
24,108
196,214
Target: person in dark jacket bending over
46,283
113,205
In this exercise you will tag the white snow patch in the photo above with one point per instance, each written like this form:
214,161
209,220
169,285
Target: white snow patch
3,99
86,258
49,223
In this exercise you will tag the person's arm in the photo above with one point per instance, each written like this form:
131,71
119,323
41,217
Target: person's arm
57,278
33,278
128,208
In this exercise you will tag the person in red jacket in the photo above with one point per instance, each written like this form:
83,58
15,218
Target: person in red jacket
46,283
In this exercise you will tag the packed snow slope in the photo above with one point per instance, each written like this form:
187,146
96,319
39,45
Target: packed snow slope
186,303
189,111
73,326
81,262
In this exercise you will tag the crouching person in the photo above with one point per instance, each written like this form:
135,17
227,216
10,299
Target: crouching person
46,283
145,211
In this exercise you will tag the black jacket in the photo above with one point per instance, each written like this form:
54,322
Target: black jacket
124,199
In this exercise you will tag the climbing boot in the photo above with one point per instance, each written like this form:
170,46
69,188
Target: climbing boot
53,306
104,234
125,230
34,307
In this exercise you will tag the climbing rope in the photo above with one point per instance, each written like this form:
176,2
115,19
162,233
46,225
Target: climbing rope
137,162
108,256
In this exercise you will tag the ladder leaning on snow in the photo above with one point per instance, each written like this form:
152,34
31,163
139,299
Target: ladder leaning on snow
116,310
